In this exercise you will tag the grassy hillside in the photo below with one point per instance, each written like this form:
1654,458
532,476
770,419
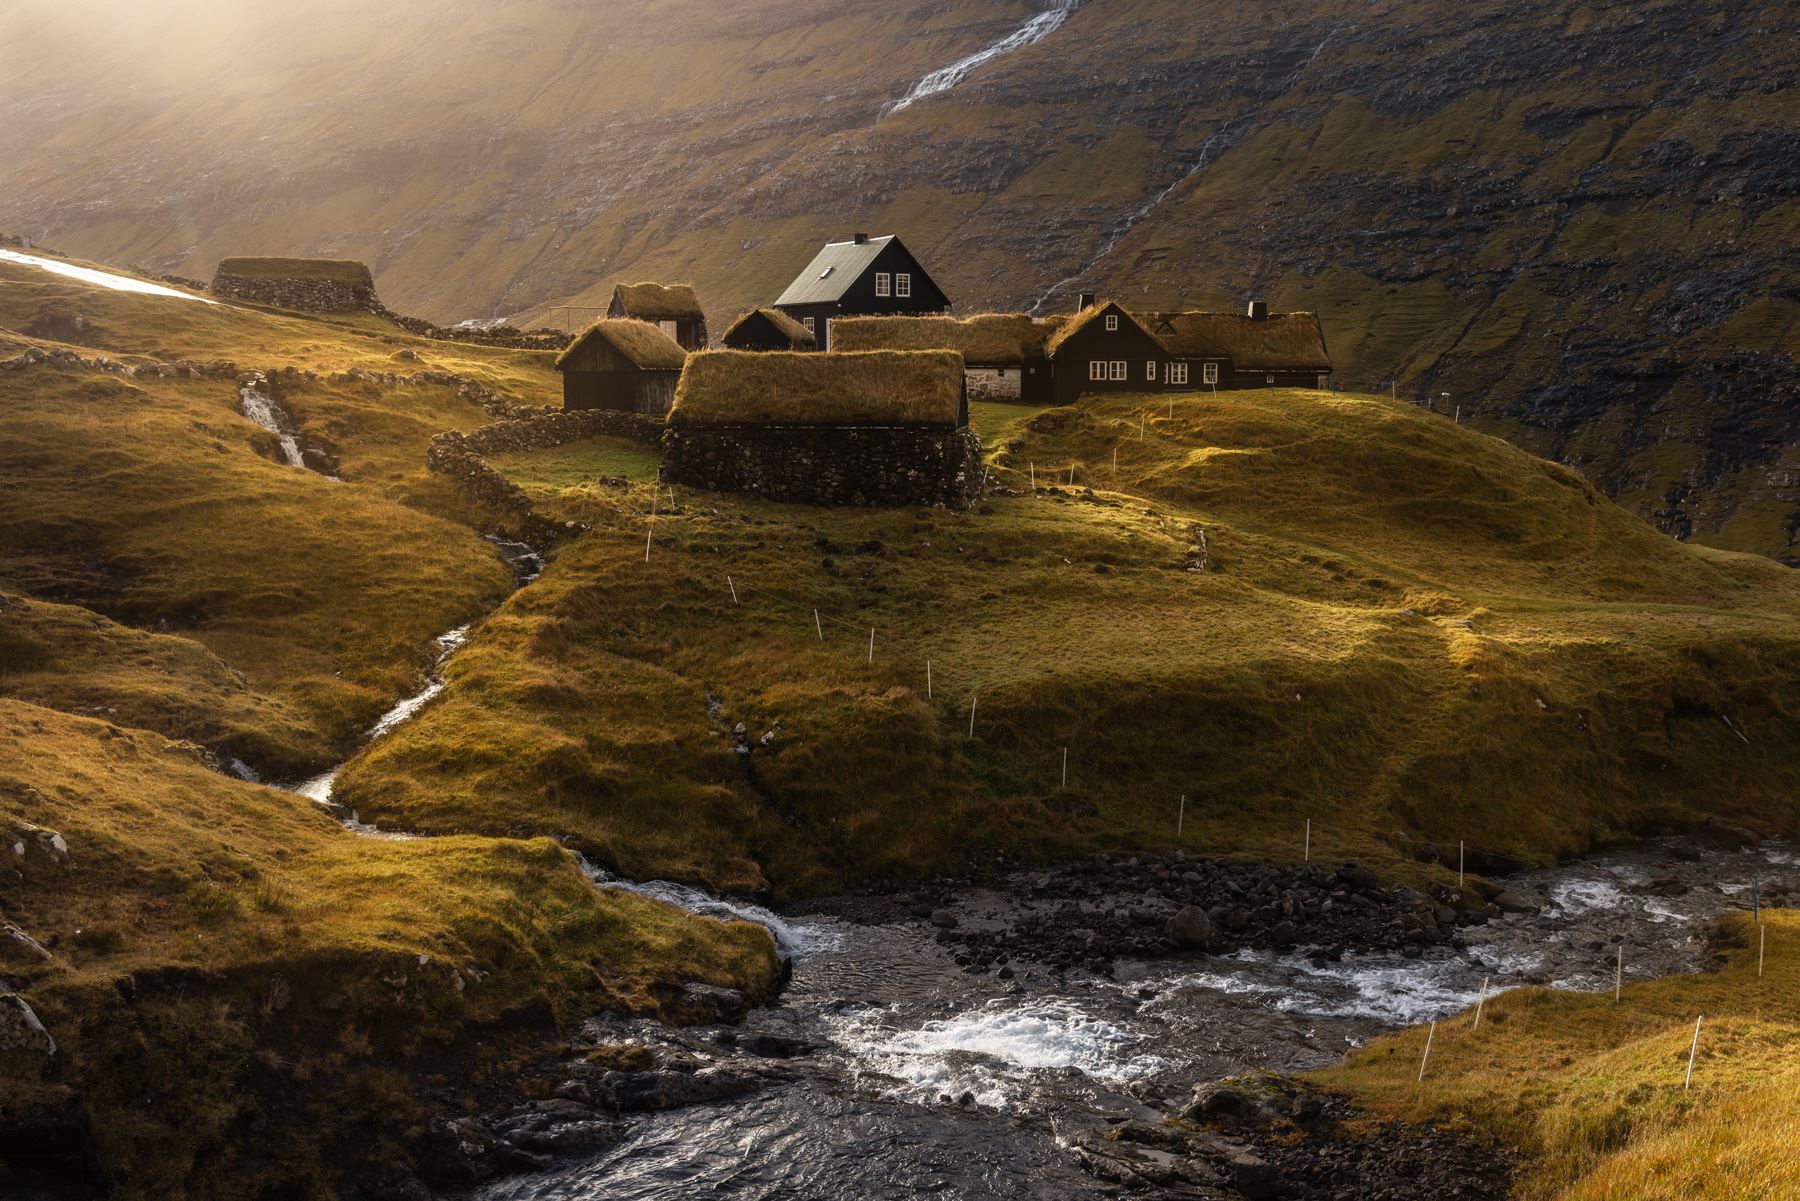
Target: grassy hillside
154,501
1575,220
1595,1092
1401,625
246,995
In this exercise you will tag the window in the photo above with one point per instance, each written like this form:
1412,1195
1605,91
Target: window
903,285
1269,380
1150,370
1209,373
1112,322
884,284
808,323
1118,370
1178,373
1096,369
1324,381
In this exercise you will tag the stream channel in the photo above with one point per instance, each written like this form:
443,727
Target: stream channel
902,1073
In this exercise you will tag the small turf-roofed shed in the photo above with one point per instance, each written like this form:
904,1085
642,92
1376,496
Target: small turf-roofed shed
879,427
673,307
622,364
768,329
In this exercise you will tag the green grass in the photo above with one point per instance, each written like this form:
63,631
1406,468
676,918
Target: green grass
1406,625
1594,1092
546,474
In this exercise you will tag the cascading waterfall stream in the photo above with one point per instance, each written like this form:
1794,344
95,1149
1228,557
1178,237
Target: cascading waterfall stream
256,403
945,78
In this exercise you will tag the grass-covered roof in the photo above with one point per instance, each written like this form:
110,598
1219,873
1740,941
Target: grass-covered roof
657,302
985,340
644,344
1080,321
1280,342
880,387
797,335
343,271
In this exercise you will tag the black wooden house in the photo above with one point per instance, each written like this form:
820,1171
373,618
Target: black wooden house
864,276
768,329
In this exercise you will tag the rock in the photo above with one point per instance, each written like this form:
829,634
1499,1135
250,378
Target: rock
1283,934
705,1004
943,919
1191,929
1252,1175
1517,900
672,1090
1358,876
21,1033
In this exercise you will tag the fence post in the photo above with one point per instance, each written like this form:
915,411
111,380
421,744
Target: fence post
928,679
817,626
1459,863
1762,940
1306,854
1065,776
1181,816
650,529
871,644
733,587
1480,1003
1693,1051
971,715
1426,1058
1619,975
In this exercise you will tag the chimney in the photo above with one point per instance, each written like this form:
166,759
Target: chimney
1084,300
861,239
1259,310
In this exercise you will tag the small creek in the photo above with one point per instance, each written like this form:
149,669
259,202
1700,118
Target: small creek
929,1079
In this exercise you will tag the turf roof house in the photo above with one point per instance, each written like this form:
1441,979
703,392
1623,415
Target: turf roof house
311,285
1003,353
618,363
673,307
1105,348
877,428
768,329
862,276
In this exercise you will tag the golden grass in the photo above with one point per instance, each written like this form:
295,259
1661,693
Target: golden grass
343,271
1594,1094
644,344
1406,625
984,340
658,302
882,387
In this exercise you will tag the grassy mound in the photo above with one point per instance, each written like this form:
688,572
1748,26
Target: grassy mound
243,992
1594,1092
1399,625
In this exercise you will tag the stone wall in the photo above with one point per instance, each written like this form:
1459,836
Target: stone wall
306,295
842,465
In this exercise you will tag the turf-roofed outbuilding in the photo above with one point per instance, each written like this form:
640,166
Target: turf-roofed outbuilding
1003,353
768,329
870,428
675,308
620,364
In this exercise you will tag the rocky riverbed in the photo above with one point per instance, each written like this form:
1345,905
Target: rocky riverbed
1031,1034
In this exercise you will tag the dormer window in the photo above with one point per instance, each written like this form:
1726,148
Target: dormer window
884,284
1112,322
903,285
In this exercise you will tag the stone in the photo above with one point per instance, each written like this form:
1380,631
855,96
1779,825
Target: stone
21,1033
1252,1175
943,919
1516,900
1191,929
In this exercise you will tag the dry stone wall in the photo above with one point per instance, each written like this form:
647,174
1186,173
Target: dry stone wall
306,295
891,465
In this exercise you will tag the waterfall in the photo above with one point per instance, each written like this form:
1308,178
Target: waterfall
255,402
945,78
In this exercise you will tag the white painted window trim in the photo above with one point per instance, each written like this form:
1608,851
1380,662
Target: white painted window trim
1209,373
1112,322
903,285
1178,373
1121,370
808,323
884,284
1150,370
1096,369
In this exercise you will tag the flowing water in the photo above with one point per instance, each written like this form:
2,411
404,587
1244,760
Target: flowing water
945,78
931,1080
104,279
255,402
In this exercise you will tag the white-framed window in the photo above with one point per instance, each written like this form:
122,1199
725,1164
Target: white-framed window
808,323
1150,370
1324,382
884,284
1178,373
1208,373
1269,380
903,285
1112,322
1096,369
1119,370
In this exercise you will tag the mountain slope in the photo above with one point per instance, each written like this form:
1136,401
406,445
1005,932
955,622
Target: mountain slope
1580,222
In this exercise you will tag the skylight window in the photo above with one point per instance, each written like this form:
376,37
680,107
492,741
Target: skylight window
823,274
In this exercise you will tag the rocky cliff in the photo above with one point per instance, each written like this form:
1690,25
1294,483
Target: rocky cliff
1579,220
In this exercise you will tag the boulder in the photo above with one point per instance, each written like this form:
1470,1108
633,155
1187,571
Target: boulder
1517,900
21,1033
1191,929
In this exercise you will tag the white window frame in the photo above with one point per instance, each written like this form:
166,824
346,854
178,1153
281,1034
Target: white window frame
1096,369
1150,370
1178,373
808,323
1324,382
1121,371
1269,379
903,285
884,284
1112,323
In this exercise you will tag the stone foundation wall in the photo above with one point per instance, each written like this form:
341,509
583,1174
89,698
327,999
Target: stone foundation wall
306,295
893,465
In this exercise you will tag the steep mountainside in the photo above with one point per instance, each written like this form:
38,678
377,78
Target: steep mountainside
1578,220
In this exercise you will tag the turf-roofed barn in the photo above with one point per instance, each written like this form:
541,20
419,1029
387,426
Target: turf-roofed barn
675,308
862,276
311,285
1003,353
867,428
768,329
617,363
